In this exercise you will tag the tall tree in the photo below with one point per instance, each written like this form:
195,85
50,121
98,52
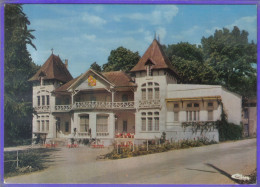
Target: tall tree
188,60
95,67
121,59
232,57
18,69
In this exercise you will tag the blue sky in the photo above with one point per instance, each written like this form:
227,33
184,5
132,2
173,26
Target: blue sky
84,34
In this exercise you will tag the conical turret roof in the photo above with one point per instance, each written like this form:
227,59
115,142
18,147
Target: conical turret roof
53,68
155,55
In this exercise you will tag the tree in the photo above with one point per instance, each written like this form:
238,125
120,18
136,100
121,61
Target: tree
95,67
121,59
188,60
18,69
232,56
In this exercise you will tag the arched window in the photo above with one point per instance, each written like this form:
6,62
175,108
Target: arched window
150,91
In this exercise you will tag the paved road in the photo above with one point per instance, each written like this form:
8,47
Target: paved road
203,165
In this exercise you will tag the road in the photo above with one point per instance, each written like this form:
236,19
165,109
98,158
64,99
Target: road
202,165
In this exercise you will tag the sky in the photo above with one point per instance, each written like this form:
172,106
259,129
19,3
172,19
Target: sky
87,33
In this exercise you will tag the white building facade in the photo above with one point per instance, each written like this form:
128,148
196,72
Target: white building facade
140,105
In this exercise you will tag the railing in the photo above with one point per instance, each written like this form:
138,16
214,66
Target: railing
82,134
100,105
104,105
93,105
149,103
62,107
124,105
42,108
102,133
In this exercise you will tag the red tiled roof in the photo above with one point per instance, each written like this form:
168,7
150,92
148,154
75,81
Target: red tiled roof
118,78
64,87
53,68
155,55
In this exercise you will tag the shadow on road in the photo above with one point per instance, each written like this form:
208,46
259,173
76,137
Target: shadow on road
201,170
221,172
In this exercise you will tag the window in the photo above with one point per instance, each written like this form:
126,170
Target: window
84,123
176,106
246,113
93,98
42,125
47,126
102,125
189,105
143,94
196,105
43,100
156,93
152,89
210,115
150,123
143,124
156,124
210,104
124,98
150,94
66,126
124,126
190,115
176,116
38,126
149,70
58,124
39,100
47,100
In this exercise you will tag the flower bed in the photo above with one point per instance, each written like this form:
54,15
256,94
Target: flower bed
125,152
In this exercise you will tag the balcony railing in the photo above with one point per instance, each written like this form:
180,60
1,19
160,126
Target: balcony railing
42,108
100,105
149,103
63,107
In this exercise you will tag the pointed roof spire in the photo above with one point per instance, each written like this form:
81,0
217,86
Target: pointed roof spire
154,35
156,55
158,38
53,68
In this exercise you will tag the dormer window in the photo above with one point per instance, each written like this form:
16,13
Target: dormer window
149,65
149,70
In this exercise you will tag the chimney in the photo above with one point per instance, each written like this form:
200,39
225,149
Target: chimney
66,63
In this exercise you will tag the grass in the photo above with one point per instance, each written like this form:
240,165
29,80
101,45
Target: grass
30,160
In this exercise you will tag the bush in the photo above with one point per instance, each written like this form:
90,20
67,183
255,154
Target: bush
229,131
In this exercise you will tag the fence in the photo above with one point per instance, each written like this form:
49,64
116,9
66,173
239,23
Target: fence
17,159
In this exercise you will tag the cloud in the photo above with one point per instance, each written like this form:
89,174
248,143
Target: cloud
187,35
93,19
160,15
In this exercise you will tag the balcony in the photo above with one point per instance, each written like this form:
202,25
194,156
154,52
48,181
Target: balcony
100,105
153,103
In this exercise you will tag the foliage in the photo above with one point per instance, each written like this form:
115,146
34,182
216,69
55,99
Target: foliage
125,152
204,126
121,59
18,69
29,161
231,55
228,131
188,60
95,67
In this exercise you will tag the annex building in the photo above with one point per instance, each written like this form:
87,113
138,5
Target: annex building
141,104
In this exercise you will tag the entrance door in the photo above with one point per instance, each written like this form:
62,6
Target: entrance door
124,126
